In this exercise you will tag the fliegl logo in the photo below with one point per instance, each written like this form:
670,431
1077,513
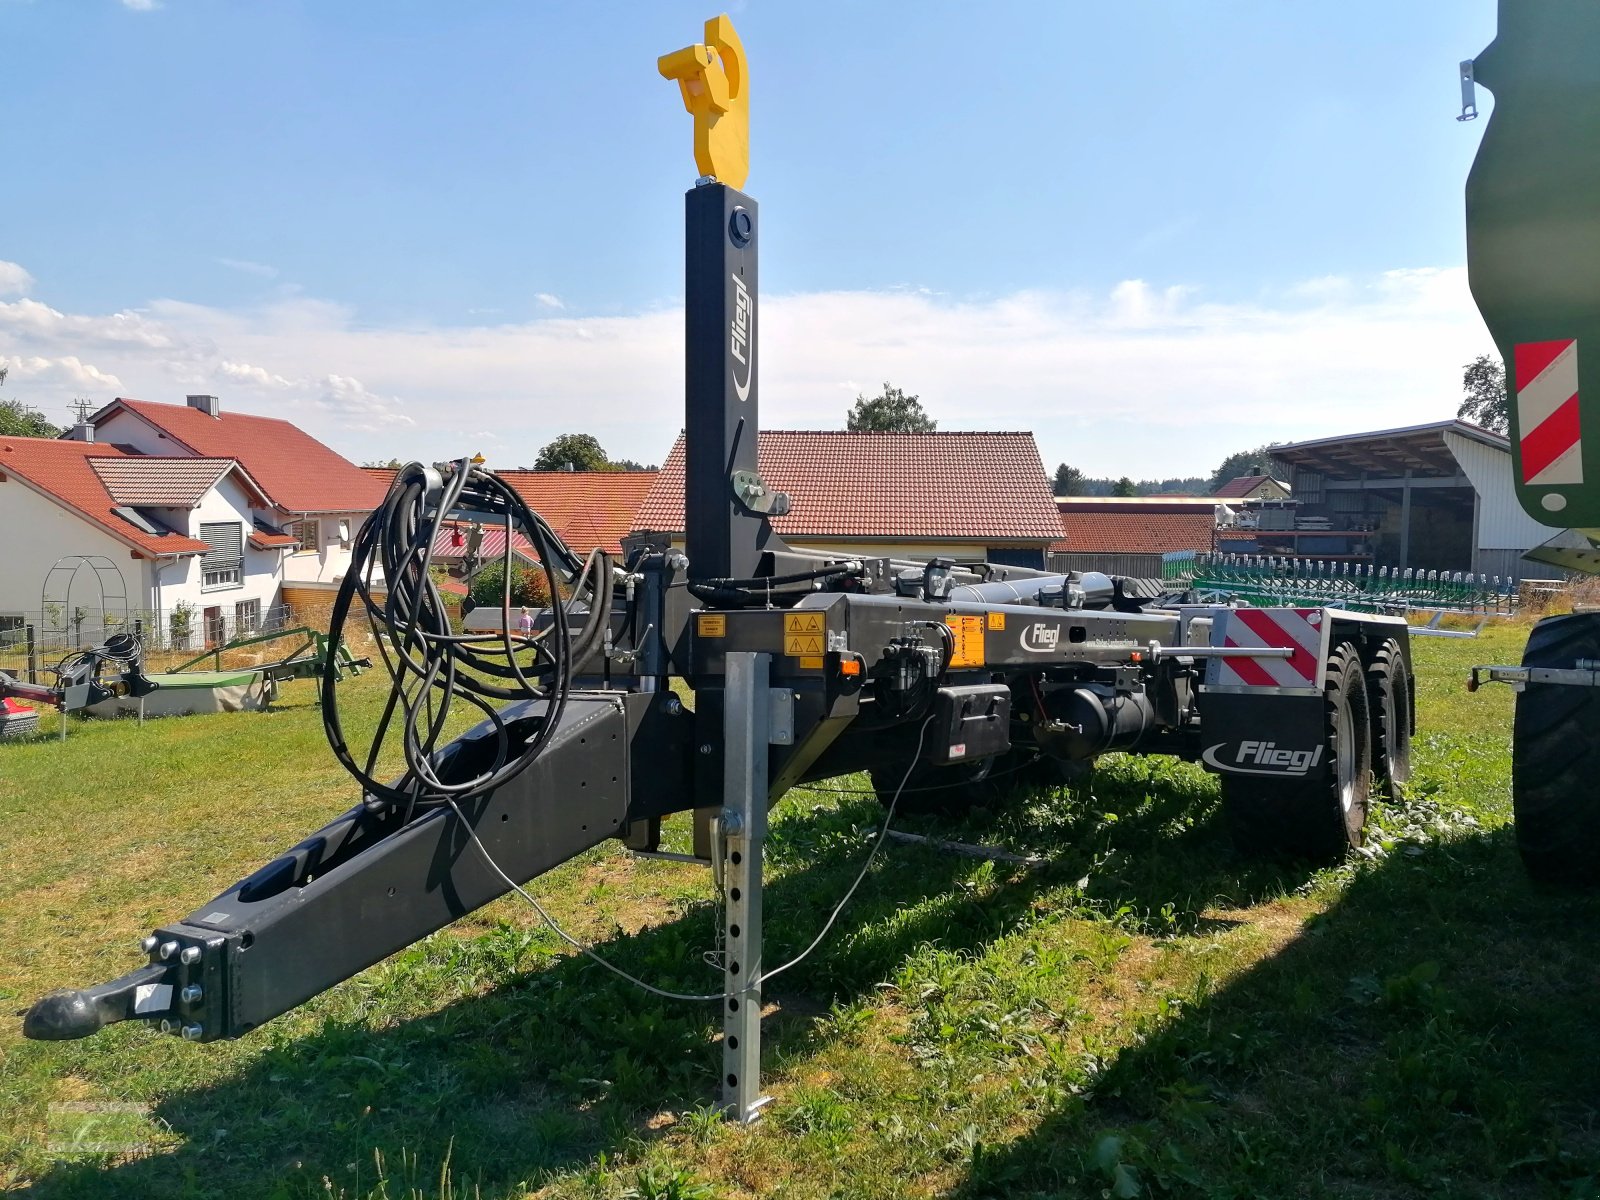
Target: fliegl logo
1040,638
742,336
1263,758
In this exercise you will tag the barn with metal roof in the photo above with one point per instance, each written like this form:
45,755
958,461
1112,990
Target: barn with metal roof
1429,497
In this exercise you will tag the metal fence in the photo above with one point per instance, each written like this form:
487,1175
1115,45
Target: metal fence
32,643
1361,587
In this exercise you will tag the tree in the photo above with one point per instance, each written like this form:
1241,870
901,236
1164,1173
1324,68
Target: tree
1245,462
1485,401
573,452
1123,487
528,587
394,464
1068,481
892,412
18,420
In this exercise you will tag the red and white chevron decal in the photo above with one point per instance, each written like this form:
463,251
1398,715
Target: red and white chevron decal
1297,629
1547,412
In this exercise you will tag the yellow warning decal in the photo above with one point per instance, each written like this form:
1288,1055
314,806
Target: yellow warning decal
968,631
804,635
811,662
712,625
997,620
797,644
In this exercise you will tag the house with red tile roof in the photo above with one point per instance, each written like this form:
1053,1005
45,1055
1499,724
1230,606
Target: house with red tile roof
1127,535
183,532
315,496
962,495
1253,487
585,508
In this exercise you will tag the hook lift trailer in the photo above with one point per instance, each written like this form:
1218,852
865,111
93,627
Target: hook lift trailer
803,666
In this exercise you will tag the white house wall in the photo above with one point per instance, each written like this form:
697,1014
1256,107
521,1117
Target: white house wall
329,562
127,429
1502,525
35,532
182,582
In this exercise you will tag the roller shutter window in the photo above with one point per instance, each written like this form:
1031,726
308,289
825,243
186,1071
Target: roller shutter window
223,565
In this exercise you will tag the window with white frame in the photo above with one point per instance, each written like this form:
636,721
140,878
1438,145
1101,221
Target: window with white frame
246,617
308,534
223,565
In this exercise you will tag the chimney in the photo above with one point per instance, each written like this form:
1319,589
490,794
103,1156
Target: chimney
210,405
83,431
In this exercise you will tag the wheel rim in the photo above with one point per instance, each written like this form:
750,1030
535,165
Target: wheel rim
1345,754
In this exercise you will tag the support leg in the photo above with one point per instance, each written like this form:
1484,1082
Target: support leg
744,827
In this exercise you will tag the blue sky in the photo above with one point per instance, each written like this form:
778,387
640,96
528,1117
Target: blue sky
1151,232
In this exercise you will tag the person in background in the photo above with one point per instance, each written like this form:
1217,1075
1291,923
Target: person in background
525,622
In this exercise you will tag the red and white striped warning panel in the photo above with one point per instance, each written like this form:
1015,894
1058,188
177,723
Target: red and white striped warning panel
1547,412
1301,630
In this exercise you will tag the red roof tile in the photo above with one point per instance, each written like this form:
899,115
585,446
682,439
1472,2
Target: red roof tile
139,479
587,508
967,486
384,475
64,471
1100,532
260,539
299,473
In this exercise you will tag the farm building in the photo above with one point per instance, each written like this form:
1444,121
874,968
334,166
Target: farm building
220,518
1429,497
1127,535
1253,487
960,495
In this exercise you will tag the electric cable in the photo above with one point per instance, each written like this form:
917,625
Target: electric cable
431,667
591,952
883,836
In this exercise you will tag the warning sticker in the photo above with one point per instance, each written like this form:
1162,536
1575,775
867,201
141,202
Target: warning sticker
808,663
968,631
997,620
797,644
804,634
712,625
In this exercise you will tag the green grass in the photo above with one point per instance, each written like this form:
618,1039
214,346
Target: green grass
1147,1015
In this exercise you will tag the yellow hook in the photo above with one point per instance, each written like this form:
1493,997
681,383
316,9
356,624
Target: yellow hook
716,91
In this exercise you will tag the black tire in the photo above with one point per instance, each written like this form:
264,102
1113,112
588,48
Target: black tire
1391,700
934,789
1555,757
1320,818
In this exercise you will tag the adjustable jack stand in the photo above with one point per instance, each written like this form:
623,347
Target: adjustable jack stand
743,832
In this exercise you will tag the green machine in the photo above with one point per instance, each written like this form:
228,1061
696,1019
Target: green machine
1533,256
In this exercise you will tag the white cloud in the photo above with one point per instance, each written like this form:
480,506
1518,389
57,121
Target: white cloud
141,5
245,266
548,300
356,407
1146,379
14,280
245,373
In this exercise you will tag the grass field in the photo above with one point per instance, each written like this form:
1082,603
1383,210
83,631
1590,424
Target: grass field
1147,1015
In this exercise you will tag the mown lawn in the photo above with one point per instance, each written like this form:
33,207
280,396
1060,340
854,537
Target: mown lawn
1147,1015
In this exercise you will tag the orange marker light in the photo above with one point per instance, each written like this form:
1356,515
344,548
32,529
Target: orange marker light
849,666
